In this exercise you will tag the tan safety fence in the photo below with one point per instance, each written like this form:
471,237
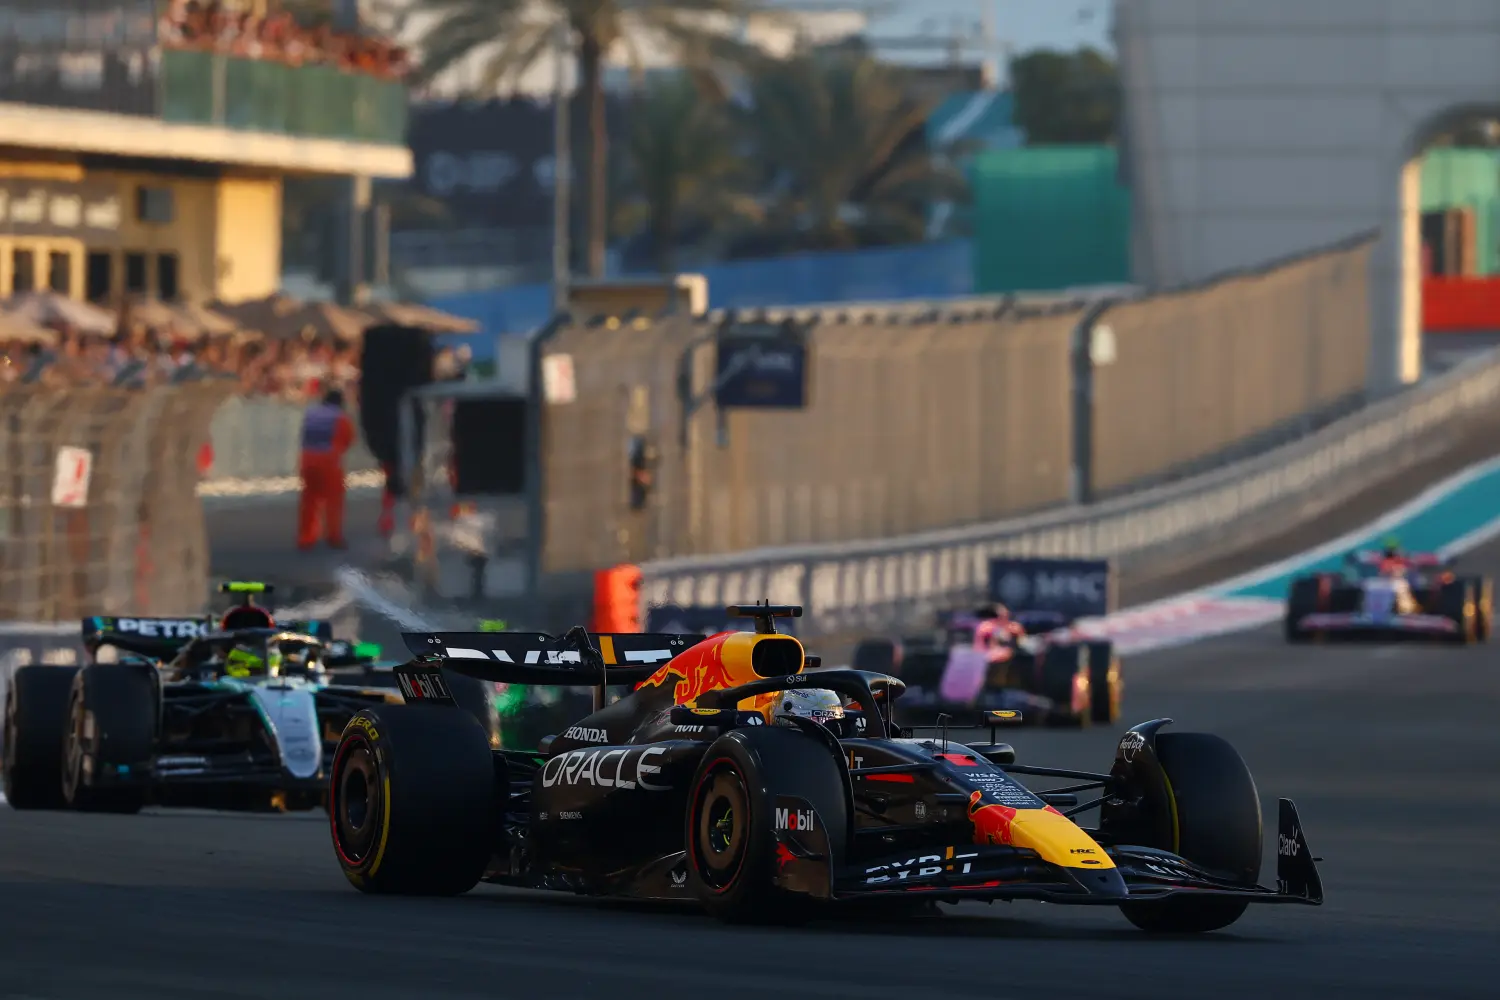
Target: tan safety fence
944,421
137,543
909,426
1196,372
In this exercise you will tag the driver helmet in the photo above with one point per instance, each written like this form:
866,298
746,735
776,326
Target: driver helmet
819,705
300,659
246,661
1392,547
996,612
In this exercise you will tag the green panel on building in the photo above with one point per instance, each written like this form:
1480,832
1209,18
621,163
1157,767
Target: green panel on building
1049,217
1453,178
1467,178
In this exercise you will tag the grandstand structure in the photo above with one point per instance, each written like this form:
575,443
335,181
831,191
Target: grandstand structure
133,164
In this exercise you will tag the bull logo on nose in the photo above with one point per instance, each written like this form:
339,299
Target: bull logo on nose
991,821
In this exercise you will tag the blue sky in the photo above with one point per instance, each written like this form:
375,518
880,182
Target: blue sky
1021,24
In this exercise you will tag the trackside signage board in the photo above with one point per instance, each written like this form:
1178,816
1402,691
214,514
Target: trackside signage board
1073,588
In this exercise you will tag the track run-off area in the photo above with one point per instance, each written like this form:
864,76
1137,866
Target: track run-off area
1390,752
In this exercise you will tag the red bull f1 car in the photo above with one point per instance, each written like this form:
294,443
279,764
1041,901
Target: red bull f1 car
1389,594
730,775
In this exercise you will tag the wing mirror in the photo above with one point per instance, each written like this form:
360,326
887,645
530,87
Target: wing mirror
997,753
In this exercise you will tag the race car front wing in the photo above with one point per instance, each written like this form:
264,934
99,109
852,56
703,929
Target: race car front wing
1353,622
1140,873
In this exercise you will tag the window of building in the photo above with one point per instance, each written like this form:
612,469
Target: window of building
166,277
23,271
60,272
135,274
99,276
154,205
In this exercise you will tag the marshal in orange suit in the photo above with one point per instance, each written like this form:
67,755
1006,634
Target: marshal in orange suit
327,432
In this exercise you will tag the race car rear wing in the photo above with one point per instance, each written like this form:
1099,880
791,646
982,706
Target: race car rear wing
158,638
540,659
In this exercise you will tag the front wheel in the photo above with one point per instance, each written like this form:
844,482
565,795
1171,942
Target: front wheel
733,855
412,801
1216,815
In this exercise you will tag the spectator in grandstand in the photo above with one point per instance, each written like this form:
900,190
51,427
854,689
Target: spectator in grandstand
234,29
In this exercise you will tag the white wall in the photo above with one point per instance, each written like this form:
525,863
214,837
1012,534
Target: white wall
1260,128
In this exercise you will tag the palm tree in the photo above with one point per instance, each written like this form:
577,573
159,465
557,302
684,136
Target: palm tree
841,136
515,35
685,166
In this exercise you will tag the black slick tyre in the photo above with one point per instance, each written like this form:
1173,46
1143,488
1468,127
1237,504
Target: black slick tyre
1303,600
412,801
729,830
111,733
36,716
1064,673
1458,602
1218,827
1484,608
1106,684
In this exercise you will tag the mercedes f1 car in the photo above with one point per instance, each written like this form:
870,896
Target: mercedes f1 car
1389,594
239,715
731,776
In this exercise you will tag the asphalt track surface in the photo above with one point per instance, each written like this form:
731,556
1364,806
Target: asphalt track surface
1389,752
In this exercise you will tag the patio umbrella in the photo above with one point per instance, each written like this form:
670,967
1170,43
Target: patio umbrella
264,316
325,321
51,308
212,323
425,317
14,326
283,317
189,321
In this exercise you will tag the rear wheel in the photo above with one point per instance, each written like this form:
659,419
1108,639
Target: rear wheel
412,801
1458,602
110,738
1067,684
1106,683
1218,826
1303,600
1484,607
36,716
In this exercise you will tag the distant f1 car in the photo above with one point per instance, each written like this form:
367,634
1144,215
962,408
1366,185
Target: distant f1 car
239,715
1042,671
1388,594
1021,653
733,777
